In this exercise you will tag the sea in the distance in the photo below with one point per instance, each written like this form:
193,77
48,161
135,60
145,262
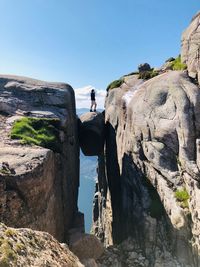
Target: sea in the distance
88,175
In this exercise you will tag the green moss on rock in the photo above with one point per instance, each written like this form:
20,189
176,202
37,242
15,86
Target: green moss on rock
38,131
7,253
177,64
131,73
115,84
182,197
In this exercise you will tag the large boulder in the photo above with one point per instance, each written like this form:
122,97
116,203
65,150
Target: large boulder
38,180
190,52
92,133
86,246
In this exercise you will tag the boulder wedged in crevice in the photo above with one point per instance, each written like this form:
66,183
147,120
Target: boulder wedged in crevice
92,133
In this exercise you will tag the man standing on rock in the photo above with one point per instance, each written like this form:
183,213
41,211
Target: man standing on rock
93,101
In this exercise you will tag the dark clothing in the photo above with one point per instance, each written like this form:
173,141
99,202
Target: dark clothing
92,96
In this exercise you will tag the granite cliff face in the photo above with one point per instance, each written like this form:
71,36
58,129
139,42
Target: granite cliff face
148,181
191,47
38,186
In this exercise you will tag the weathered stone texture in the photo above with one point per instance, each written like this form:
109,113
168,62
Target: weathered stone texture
28,248
190,52
152,150
41,189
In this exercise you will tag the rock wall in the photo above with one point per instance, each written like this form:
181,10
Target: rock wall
151,154
190,51
38,186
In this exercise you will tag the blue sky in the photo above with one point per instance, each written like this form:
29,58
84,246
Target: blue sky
89,42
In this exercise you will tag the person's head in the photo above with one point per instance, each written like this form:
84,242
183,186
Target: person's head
92,90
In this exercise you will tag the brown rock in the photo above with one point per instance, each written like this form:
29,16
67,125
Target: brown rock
86,246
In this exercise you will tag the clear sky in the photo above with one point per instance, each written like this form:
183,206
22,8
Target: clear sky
89,42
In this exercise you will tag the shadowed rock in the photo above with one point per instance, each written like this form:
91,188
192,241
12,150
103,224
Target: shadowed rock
92,133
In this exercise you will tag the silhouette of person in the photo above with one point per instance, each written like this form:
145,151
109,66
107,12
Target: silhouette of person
93,101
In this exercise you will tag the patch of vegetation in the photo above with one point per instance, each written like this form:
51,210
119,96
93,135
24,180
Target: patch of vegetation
4,171
10,232
146,75
20,247
131,73
7,253
182,196
38,131
177,64
115,84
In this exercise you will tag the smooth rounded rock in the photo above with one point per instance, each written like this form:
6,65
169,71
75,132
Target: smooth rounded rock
92,133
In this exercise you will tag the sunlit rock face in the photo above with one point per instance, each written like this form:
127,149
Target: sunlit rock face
38,185
151,156
190,52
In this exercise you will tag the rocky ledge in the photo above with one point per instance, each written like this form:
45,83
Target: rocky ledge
39,155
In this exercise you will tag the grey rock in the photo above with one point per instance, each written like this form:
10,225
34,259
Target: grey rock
34,189
190,47
151,142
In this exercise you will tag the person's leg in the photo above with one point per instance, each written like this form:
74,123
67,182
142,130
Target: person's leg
95,106
91,106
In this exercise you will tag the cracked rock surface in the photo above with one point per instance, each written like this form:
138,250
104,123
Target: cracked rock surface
151,153
190,52
38,187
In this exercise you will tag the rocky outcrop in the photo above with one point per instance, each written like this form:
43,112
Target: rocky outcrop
191,47
38,186
152,157
92,133
28,248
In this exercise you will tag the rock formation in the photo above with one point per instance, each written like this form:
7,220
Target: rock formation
25,247
152,155
191,47
92,133
38,186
